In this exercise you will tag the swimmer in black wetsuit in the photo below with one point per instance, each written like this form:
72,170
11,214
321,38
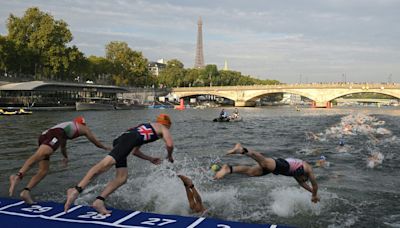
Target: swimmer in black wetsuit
296,168
128,142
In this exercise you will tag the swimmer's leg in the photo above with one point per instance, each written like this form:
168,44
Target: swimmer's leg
120,179
199,207
243,169
42,152
102,166
187,182
265,162
43,170
195,202
238,149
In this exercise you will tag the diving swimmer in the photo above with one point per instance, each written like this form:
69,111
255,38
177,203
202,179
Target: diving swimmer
49,141
300,170
128,142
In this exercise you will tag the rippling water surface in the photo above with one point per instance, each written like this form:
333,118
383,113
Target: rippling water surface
355,192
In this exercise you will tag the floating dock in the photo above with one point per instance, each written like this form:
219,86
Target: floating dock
16,214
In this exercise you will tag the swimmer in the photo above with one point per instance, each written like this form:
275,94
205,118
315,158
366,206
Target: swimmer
195,202
375,159
311,135
348,129
322,162
49,141
128,142
300,170
341,142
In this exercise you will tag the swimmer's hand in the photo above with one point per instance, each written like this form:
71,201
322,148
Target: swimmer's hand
170,158
315,199
155,161
107,148
65,162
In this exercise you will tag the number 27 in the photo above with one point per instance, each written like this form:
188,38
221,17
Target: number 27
154,221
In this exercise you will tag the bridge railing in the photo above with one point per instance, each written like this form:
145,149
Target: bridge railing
365,86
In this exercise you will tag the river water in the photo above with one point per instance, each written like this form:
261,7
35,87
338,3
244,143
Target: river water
354,191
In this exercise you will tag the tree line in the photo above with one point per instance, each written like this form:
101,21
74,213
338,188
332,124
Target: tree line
37,46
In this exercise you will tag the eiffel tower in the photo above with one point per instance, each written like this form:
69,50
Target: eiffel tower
199,61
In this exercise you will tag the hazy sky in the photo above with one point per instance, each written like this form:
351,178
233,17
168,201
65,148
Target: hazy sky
293,40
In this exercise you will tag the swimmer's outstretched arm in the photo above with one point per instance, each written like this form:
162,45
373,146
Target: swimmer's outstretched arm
64,153
169,144
304,185
92,138
314,190
136,151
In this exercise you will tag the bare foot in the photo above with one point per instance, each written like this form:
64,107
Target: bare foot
222,172
98,205
26,196
72,194
14,180
238,149
186,180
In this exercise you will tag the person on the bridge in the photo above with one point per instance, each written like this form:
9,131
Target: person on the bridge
129,141
300,170
49,141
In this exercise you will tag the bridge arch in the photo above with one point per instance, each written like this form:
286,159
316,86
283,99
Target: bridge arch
213,93
389,93
260,94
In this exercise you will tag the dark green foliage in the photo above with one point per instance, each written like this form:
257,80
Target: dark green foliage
37,45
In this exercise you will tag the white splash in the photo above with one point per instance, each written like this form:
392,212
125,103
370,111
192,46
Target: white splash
287,202
375,159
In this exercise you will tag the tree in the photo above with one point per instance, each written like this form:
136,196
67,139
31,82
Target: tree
130,67
192,77
210,75
41,41
173,75
99,69
8,57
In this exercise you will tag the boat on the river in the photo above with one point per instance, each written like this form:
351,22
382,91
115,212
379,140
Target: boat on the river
21,111
235,119
221,119
228,119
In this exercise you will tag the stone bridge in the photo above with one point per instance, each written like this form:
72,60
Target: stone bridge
321,94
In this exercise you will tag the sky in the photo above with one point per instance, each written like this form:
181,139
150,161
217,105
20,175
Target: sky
291,41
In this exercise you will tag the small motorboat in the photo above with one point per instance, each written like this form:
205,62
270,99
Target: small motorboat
219,119
235,118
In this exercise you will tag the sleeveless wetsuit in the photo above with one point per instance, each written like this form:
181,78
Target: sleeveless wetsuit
58,135
137,136
288,167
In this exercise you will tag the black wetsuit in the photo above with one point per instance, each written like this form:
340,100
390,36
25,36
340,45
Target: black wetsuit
137,136
283,168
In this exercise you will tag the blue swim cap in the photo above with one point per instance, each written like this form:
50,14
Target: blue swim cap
341,142
322,157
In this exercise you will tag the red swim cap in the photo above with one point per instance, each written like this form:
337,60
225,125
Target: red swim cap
164,119
80,120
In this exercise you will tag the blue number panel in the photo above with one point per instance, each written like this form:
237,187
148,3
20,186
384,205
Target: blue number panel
16,214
